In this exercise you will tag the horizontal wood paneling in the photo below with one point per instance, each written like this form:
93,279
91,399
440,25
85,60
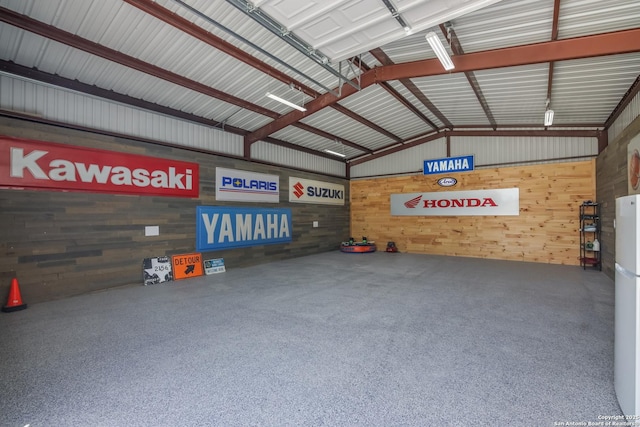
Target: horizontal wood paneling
545,231
59,244
612,173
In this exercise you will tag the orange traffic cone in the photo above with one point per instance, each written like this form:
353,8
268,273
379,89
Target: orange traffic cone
14,303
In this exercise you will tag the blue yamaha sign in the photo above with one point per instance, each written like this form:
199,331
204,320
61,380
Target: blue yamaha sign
448,164
224,227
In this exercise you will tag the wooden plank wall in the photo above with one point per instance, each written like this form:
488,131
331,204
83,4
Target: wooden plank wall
545,231
60,244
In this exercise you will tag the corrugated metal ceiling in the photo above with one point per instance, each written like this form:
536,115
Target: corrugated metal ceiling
111,44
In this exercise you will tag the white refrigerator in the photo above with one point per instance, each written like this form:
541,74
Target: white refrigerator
627,304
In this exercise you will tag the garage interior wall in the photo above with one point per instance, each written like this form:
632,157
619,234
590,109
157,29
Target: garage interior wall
612,176
60,244
545,231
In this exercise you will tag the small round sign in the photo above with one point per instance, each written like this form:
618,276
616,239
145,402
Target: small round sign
447,182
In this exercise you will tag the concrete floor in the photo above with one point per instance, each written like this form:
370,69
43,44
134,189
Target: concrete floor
326,340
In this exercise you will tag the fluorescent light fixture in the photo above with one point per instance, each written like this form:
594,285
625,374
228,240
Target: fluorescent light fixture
439,50
548,117
285,102
335,154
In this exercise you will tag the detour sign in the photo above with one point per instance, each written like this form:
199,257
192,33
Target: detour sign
187,265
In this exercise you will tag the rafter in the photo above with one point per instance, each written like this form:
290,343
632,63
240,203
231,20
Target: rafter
69,39
554,36
456,47
617,42
384,59
398,96
216,42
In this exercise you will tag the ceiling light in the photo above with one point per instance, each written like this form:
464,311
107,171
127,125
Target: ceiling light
335,153
285,102
548,117
439,50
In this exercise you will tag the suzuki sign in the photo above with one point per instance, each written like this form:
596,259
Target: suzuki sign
319,192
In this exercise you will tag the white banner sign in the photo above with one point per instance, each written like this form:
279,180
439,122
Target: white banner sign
505,201
243,186
311,191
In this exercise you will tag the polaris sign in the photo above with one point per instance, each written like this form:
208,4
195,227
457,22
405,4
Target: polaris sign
224,227
243,186
449,164
319,192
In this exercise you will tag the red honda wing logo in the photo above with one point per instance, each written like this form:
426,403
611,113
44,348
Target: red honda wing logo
413,202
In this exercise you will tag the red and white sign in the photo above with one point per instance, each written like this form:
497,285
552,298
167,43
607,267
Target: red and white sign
45,165
504,201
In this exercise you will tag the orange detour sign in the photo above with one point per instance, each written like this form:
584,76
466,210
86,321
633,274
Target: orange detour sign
187,265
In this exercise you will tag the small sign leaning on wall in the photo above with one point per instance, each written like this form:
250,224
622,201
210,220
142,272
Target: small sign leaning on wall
213,266
156,270
187,265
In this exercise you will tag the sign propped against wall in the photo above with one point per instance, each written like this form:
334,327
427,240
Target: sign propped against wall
244,186
187,265
45,165
156,270
310,191
448,164
214,266
504,201
225,227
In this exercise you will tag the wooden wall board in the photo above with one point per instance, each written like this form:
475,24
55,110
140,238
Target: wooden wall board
545,231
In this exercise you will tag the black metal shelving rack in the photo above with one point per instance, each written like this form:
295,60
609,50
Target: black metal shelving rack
590,243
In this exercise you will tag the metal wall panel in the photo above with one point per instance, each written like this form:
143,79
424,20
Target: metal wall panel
506,23
377,105
453,96
314,142
345,127
53,103
625,118
591,86
296,159
510,106
583,17
513,150
488,151
402,162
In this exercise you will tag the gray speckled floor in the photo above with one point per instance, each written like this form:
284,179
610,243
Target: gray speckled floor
328,340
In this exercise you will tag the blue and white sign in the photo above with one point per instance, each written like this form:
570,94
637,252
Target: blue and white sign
448,164
243,186
226,227
214,266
